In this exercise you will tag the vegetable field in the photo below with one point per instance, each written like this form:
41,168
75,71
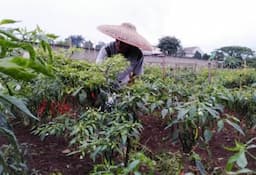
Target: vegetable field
63,116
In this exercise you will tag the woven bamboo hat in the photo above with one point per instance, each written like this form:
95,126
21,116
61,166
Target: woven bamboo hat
126,32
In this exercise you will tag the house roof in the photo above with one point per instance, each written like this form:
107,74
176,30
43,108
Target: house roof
192,50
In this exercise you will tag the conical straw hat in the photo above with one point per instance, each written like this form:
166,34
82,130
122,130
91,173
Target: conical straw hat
127,33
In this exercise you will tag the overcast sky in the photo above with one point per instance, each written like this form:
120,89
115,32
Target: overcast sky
209,24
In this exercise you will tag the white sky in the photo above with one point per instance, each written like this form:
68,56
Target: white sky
209,24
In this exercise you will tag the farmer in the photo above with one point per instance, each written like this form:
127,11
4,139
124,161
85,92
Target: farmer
128,43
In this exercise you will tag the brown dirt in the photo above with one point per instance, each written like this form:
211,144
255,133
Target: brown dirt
153,137
46,156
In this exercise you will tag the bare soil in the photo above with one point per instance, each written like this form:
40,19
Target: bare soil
45,157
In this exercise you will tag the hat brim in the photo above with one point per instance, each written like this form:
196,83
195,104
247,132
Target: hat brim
128,36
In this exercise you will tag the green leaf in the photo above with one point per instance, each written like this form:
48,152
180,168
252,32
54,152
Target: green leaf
19,104
3,163
52,36
235,149
242,161
16,72
236,126
124,137
182,113
200,167
164,112
220,125
242,171
207,135
11,138
9,34
137,173
8,21
172,123
1,167
152,107
133,165
231,161
3,122
212,112
77,91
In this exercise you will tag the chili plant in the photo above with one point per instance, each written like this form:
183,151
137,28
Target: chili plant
105,134
14,66
239,158
195,119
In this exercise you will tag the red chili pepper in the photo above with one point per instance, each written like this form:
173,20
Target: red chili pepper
93,95
64,108
53,107
42,108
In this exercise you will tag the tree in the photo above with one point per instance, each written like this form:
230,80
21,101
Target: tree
76,40
198,55
205,56
237,51
169,45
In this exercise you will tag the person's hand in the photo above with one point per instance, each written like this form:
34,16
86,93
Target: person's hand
131,80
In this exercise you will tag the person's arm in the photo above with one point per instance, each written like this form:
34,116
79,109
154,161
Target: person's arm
101,56
138,69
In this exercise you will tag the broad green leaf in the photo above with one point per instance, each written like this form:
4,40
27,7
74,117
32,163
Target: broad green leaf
133,165
182,113
236,126
231,161
141,106
242,161
17,72
22,69
18,103
213,112
207,135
